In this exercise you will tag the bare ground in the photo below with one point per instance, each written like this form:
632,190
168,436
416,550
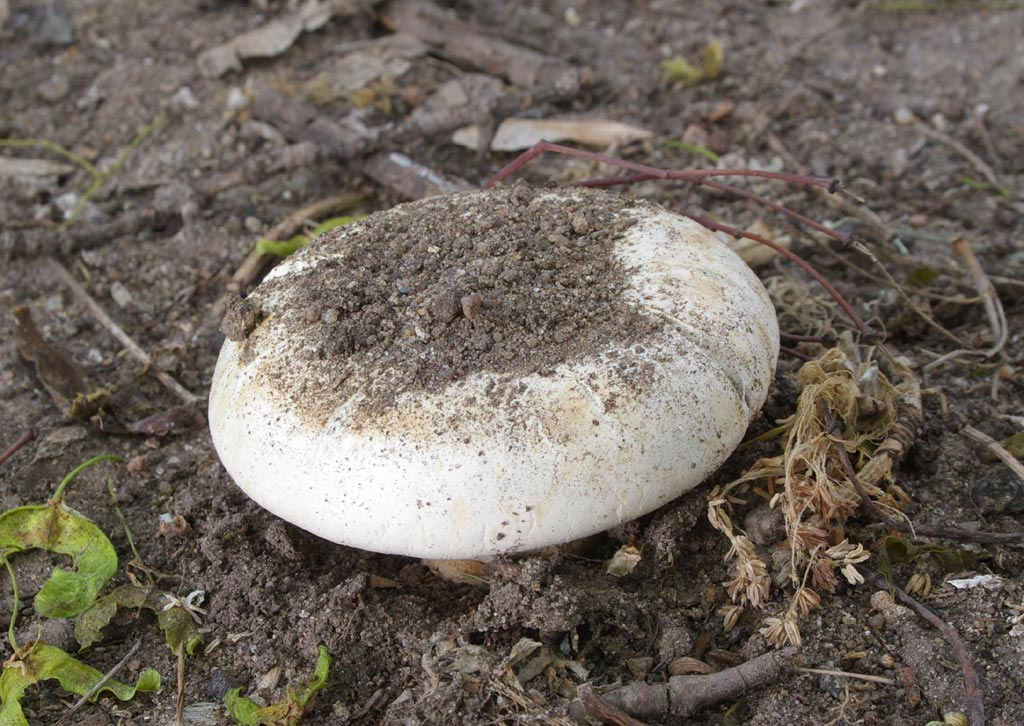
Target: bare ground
818,84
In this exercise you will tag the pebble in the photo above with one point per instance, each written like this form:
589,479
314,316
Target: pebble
253,224
237,99
330,315
183,99
120,294
904,116
472,304
55,87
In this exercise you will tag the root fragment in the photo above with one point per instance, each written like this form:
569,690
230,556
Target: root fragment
683,696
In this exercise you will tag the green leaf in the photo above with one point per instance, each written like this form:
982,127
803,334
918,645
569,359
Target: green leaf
42,662
678,69
899,550
1015,444
289,712
56,527
266,246
714,59
176,622
333,223
985,186
693,149
922,276
281,249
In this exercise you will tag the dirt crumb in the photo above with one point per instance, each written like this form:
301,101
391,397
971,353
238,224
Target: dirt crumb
514,281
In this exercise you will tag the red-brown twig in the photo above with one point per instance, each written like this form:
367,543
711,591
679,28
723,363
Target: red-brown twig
862,327
649,172
13,448
920,529
701,176
974,694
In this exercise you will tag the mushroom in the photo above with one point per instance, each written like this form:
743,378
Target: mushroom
491,372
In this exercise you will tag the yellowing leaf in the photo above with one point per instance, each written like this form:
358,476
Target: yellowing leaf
678,69
288,712
41,662
176,622
516,134
714,58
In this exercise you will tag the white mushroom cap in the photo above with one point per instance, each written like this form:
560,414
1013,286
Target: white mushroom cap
494,463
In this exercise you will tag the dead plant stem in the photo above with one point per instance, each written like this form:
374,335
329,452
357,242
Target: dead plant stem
974,694
100,683
133,348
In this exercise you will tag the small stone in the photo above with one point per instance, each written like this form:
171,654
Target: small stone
904,116
445,306
253,224
120,294
472,304
580,223
764,526
237,99
183,100
55,87
329,316
640,667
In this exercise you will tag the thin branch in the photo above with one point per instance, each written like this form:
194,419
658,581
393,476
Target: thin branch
914,530
948,141
846,674
133,348
974,694
601,710
998,449
13,448
100,683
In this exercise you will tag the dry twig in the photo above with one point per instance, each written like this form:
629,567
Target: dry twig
21,441
99,684
847,674
998,449
133,348
921,529
993,309
683,696
974,694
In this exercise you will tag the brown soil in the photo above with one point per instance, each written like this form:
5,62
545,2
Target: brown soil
429,292
818,84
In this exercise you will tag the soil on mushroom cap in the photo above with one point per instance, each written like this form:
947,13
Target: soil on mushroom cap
513,281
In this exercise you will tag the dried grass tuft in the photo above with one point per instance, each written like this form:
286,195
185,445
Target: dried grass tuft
845,400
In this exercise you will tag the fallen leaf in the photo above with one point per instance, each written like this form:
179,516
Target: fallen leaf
41,662
751,251
58,373
275,37
515,134
177,624
390,57
247,712
13,166
56,527
623,562
178,419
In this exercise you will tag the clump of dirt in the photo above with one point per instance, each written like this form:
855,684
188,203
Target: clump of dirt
514,280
